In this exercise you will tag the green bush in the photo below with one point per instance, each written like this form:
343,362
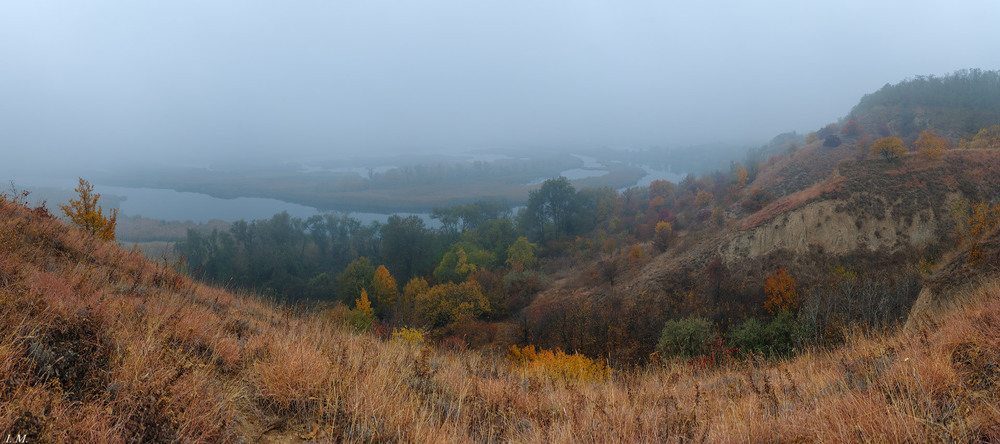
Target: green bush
686,337
780,336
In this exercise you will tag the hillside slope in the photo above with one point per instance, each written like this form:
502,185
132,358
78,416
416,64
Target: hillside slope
101,345
878,223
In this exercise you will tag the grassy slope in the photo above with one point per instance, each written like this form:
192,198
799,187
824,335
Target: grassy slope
101,345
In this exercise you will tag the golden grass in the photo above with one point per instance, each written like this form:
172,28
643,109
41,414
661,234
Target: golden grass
99,345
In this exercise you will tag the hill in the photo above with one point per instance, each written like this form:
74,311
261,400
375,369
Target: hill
101,345
859,244
956,105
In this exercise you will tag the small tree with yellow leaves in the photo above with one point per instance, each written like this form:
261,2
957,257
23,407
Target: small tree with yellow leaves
384,291
87,215
664,232
986,138
521,255
362,316
890,148
930,145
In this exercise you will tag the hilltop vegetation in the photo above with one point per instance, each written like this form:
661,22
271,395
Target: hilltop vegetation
957,105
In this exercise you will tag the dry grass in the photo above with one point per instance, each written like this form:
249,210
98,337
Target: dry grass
101,345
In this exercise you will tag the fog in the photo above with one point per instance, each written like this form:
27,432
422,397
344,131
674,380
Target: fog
191,82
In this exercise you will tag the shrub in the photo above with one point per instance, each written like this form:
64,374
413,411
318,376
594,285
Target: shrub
413,337
686,337
780,336
556,365
930,145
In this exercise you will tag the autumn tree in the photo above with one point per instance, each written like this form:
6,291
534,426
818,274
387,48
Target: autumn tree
703,198
987,138
521,255
87,215
406,302
446,303
384,291
661,187
890,148
930,145
664,233
362,316
742,176
781,293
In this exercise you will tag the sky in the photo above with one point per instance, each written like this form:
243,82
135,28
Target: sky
182,81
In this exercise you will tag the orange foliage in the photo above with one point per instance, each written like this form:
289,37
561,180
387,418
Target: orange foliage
983,218
851,128
664,232
930,145
635,253
384,289
703,198
660,188
742,176
556,365
987,138
890,148
781,292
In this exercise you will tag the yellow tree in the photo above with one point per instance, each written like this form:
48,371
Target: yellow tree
362,316
384,290
987,138
521,255
664,232
405,305
87,215
890,148
443,304
930,145
781,292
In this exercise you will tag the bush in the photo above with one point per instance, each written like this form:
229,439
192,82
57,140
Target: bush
686,337
412,337
556,365
778,337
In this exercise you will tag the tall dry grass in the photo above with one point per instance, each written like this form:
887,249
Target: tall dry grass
100,345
